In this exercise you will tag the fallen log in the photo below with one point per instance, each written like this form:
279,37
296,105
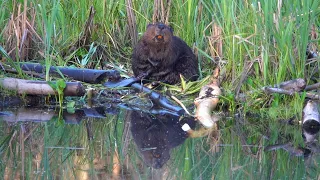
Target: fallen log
85,75
291,87
309,95
32,87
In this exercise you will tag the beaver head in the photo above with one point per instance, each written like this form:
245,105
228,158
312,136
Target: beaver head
158,34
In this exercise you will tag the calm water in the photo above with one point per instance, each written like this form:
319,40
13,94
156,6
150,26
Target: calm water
114,143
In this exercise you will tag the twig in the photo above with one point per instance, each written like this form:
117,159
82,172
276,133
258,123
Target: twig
283,91
182,105
312,87
208,100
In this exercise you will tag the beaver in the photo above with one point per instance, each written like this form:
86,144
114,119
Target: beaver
161,56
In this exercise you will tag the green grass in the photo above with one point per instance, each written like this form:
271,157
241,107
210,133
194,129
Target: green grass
264,43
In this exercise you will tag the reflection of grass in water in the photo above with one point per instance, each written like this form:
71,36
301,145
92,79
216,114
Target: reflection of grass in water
240,156
256,34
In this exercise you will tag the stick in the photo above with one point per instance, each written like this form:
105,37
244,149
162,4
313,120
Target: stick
40,87
208,100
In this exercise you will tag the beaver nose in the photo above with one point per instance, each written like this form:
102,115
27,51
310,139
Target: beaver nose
161,26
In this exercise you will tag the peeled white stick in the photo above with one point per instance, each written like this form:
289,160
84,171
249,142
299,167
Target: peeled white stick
207,100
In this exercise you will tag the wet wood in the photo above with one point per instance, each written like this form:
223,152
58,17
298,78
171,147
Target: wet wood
85,75
270,90
311,121
311,112
31,87
158,98
291,87
28,114
207,100
312,87
295,85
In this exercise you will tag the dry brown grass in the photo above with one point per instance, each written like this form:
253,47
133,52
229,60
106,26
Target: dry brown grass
21,33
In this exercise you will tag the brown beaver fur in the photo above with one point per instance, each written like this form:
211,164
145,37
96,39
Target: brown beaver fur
161,56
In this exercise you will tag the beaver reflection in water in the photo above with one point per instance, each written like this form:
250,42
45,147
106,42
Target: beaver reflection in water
161,56
156,135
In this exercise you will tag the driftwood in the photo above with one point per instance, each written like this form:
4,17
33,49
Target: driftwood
158,98
208,100
154,96
312,87
310,121
85,75
40,87
270,90
295,86
155,111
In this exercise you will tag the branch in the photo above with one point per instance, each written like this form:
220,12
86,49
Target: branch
40,87
207,100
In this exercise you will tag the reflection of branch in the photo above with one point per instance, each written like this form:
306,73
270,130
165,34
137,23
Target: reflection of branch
116,168
287,147
89,130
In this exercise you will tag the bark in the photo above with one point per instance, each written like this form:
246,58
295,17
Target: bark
85,75
31,87
208,100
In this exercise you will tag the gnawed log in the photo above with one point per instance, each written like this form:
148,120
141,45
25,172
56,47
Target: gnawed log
310,120
31,87
208,100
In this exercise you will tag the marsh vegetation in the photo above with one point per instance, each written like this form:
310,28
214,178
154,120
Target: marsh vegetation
254,43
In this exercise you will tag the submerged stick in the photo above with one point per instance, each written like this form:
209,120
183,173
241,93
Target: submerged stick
40,87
